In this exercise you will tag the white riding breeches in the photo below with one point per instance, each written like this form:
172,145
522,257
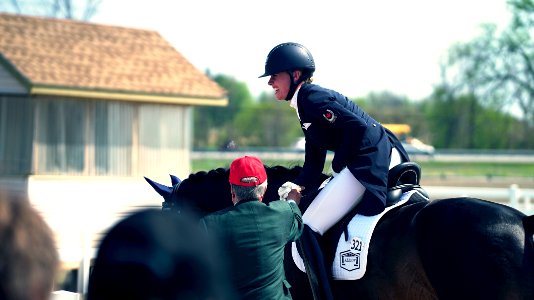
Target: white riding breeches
395,158
337,198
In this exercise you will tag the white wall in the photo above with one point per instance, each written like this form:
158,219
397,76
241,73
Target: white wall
8,83
81,210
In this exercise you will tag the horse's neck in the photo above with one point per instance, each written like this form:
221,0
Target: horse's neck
210,191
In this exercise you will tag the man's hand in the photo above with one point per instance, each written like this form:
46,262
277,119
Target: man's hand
294,195
290,191
284,190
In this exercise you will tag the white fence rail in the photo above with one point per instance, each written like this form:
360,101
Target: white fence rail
520,199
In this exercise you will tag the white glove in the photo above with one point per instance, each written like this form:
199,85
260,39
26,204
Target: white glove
284,190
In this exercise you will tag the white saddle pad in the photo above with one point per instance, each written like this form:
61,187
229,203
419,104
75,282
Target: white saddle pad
350,261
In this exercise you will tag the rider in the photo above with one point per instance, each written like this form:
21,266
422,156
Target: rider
363,149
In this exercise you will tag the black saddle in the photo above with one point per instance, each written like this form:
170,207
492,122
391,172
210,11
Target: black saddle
402,178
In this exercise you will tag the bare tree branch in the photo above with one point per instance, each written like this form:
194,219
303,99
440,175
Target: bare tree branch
68,9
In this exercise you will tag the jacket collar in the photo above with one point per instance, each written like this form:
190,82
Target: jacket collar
294,103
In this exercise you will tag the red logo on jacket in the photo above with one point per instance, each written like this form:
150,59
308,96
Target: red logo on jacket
329,116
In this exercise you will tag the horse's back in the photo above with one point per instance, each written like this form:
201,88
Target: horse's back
474,249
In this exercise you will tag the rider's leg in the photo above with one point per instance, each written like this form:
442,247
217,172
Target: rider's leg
337,198
395,158
334,201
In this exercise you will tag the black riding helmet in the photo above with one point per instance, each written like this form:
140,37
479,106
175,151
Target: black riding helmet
287,57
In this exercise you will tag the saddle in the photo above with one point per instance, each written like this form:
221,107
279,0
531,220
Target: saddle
402,178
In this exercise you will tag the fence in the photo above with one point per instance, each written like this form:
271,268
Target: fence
520,199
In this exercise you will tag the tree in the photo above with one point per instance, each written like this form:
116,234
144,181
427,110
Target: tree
64,9
386,107
462,122
214,126
498,68
268,123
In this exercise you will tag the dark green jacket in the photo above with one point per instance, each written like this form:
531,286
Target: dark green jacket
254,235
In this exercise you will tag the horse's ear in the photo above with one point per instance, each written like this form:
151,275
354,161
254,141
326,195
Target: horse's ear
163,190
174,180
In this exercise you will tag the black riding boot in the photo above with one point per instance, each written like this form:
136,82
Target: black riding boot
316,269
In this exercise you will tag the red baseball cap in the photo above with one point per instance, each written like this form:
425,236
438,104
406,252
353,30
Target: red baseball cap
247,171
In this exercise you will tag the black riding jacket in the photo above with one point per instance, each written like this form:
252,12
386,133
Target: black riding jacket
332,122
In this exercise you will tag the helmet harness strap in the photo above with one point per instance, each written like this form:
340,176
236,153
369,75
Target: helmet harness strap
292,86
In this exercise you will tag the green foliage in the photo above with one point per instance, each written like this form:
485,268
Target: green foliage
483,80
462,122
214,125
387,107
488,169
498,67
265,123
271,123
429,168
489,74
446,119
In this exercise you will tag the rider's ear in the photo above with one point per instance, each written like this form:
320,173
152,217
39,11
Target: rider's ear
232,193
297,74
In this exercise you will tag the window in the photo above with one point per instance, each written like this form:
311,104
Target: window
109,138
16,135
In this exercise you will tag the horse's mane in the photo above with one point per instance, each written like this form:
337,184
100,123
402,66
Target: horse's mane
203,176
209,191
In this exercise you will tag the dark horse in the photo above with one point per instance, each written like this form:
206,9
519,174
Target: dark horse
458,248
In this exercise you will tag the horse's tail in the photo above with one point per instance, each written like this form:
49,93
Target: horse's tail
528,224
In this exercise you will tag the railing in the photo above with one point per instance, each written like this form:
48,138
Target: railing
524,156
520,199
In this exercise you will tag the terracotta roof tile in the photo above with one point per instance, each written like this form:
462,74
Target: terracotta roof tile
79,55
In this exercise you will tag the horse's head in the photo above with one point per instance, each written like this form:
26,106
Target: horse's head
165,191
205,192
202,192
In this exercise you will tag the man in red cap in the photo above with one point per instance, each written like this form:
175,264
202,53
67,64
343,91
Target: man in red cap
254,233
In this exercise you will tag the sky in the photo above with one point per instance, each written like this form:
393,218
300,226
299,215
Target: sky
359,46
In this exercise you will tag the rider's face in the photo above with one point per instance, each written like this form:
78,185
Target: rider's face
280,83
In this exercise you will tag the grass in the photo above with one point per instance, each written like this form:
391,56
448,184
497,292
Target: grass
486,169
429,168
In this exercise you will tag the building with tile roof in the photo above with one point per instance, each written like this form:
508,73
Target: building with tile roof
87,110
78,59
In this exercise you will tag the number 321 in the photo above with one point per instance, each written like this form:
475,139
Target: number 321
356,244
